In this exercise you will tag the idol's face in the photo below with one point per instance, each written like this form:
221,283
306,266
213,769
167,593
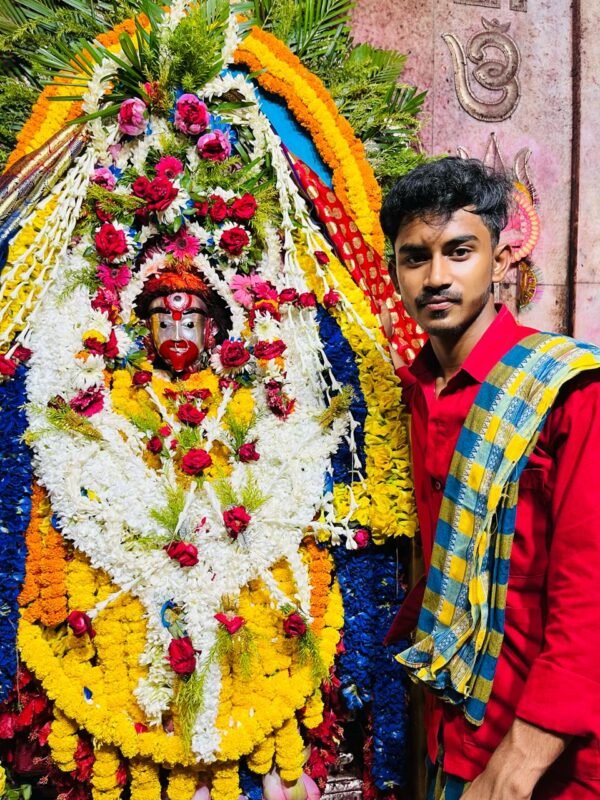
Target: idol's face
177,325
445,271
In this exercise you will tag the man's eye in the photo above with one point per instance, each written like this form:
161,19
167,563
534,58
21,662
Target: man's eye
461,252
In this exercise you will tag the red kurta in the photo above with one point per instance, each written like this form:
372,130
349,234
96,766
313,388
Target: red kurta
548,672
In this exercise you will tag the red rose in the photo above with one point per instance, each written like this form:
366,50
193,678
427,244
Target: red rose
269,350
190,415
161,194
80,624
182,656
233,240
22,353
165,430
265,307
233,354
232,624
294,625
201,207
195,461
140,187
7,366
218,210
243,208
288,296
321,257
103,216
111,242
141,377
88,402
247,452
214,146
236,520
331,299
184,552
307,300
155,445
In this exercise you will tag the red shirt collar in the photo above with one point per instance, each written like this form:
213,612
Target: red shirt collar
500,336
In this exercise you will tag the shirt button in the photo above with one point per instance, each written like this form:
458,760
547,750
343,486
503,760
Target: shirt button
437,485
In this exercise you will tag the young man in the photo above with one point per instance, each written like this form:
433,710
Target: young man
505,427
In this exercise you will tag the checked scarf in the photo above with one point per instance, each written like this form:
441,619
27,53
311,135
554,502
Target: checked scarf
461,624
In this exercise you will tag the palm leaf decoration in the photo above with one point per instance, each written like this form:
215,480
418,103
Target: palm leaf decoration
43,40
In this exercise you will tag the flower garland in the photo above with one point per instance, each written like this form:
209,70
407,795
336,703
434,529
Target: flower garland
281,72
15,507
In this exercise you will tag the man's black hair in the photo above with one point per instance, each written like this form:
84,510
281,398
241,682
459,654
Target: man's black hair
434,191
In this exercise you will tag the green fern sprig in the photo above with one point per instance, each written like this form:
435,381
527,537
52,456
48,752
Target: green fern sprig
339,405
168,516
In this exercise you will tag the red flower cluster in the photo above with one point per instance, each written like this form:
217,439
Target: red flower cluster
233,355
247,452
88,402
190,415
108,349
183,552
278,401
269,350
236,521
233,240
158,193
182,656
8,366
240,209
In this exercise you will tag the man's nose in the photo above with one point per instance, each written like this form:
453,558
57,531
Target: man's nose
438,274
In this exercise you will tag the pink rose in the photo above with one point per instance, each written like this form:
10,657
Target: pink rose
236,521
103,177
183,552
307,300
80,624
111,242
214,146
294,625
190,415
88,402
233,240
195,461
361,537
247,452
191,114
182,656
169,167
141,377
243,208
269,350
230,623
132,117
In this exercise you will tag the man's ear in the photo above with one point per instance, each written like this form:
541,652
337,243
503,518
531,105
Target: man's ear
502,261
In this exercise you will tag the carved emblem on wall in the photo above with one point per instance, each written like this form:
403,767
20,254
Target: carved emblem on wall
515,5
497,59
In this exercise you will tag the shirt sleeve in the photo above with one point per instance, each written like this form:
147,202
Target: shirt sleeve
562,691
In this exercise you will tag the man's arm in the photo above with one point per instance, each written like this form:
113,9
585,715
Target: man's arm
521,759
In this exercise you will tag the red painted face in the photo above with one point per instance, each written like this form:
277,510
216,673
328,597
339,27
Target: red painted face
177,324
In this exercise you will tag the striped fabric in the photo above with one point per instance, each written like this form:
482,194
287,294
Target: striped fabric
461,624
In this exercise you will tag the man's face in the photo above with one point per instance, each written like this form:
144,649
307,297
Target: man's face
445,271
177,324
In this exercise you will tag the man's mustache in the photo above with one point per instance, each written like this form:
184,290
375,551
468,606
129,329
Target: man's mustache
425,298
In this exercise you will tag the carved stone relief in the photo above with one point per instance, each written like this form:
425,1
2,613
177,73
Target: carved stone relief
484,50
515,5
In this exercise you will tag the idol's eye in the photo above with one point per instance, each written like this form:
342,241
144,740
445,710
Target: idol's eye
189,325
163,325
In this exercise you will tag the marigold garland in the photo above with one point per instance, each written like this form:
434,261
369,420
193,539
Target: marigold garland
63,741
104,775
145,780
281,72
